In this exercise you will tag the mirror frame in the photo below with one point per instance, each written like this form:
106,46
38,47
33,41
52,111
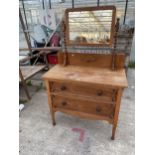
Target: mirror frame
113,8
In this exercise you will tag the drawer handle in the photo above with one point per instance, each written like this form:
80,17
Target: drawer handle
64,103
99,93
63,88
98,109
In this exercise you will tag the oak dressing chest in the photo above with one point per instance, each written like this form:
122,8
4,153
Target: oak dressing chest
87,85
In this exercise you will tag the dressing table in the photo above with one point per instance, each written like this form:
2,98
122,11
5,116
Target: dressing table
88,84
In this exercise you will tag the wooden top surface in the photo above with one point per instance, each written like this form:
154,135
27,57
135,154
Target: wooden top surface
87,75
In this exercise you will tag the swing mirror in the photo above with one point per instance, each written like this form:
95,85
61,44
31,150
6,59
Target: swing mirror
90,26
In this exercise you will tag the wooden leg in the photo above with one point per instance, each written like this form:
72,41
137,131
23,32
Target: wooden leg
113,132
50,102
26,90
24,84
52,115
116,113
53,118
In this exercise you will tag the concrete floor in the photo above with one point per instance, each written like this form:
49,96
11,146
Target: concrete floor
39,137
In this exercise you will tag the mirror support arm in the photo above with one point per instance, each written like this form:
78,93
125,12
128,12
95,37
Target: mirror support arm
115,43
63,26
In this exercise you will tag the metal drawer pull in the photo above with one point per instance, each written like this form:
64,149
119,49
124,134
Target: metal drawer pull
63,88
64,103
99,93
98,109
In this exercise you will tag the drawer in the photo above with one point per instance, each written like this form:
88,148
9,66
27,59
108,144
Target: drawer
96,108
106,94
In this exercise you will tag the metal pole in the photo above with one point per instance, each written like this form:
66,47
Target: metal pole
98,2
126,6
49,4
43,4
72,3
25,18
23,27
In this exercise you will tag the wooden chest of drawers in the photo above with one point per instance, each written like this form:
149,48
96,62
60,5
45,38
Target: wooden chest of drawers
88,85
87,92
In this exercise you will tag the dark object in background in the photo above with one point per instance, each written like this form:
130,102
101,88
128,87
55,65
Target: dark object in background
39,60
37,44
41,57
55,41
52,58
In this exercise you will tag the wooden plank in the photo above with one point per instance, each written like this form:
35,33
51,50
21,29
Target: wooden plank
29,71
93,60
24,84
41,48
87,75
35,55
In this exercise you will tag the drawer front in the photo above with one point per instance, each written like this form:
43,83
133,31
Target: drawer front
99,93
96,108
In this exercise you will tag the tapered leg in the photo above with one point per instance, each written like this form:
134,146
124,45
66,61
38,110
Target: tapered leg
113,132
50,103
53,118
116,113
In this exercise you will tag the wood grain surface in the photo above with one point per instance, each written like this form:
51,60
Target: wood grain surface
87,75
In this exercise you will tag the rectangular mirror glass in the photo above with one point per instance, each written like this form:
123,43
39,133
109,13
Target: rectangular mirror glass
90,26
